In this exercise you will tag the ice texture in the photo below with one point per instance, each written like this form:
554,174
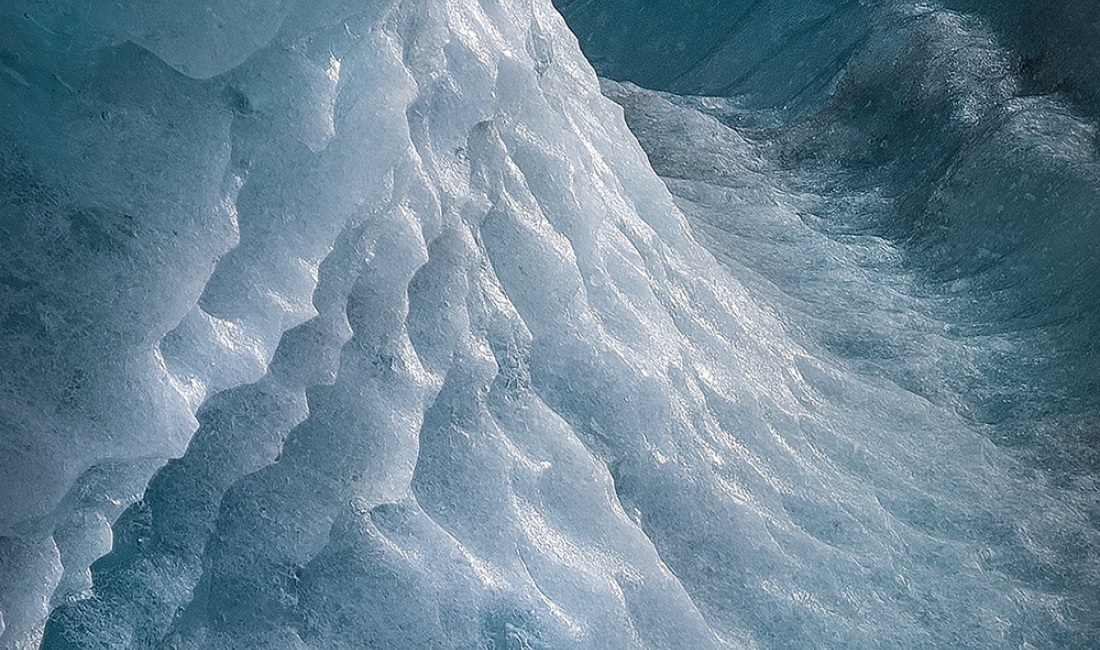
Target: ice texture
388,324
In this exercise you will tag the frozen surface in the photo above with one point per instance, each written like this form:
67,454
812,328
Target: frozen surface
372,324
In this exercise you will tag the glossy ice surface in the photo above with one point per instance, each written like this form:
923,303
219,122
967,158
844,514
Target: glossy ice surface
383,324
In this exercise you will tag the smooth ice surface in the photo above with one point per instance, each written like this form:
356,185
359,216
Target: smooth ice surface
387,324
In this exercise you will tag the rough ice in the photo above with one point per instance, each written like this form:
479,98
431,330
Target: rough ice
390,324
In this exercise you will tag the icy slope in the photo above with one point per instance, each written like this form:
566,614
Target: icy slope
949,217
439,363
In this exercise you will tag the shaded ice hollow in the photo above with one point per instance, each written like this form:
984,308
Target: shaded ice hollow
372,325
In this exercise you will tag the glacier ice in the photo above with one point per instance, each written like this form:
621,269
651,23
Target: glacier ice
388,324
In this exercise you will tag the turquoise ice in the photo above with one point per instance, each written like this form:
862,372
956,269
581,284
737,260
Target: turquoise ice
406,324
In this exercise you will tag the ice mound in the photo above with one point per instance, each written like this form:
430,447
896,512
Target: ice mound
371,324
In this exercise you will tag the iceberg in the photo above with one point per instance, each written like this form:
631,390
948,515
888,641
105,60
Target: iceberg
495,324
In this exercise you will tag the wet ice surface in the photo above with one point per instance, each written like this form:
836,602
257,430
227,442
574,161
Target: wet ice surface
440,362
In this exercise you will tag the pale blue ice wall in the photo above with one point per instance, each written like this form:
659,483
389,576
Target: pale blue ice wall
779,53
789,53
368,324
